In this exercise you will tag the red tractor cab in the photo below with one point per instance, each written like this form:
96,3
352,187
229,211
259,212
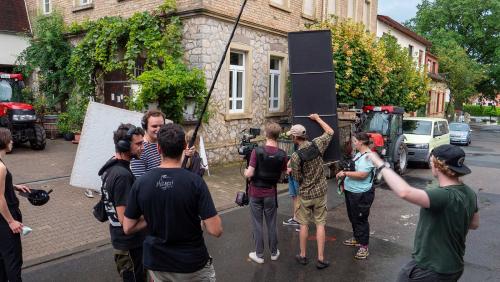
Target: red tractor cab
384,124
19,117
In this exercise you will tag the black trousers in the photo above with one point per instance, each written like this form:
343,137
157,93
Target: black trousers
11,254
412,273
358,209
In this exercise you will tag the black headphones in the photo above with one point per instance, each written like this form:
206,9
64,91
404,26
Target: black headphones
123,145
144,122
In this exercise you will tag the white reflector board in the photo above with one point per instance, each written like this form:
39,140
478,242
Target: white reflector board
96,142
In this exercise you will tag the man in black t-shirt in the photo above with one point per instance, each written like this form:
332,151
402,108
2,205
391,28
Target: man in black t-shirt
117,181
174,203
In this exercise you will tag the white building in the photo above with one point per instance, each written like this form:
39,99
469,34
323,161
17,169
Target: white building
416,44
15,30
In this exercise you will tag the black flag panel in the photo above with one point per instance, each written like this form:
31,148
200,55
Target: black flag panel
313,84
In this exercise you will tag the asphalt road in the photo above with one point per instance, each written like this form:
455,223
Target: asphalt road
392,220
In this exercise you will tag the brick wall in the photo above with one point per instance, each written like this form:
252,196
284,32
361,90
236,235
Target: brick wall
258,13
98,9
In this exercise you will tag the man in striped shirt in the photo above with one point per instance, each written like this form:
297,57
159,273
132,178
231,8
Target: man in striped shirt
150,157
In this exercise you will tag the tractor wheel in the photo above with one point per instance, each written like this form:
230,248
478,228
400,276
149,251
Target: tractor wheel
38,142
401,159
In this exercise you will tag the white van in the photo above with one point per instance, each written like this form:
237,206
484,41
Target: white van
423,135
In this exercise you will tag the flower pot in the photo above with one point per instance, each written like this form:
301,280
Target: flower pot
69,136
77,138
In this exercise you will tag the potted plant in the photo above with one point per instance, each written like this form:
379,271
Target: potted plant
64,126
71,121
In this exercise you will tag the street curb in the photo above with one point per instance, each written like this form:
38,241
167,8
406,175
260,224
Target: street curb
66,253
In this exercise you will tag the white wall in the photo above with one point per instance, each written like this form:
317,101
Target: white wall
403,40
10,47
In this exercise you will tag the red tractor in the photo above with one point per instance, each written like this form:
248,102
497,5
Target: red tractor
19,117
384,124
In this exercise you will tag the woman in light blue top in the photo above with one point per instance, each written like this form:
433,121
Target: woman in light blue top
359,194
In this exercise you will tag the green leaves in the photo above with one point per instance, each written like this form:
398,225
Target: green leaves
170,86
49,53
472,26
379,73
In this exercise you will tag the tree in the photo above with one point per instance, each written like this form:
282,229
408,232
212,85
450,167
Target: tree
473,25
462,72
377,72
361,67
407,85
49,53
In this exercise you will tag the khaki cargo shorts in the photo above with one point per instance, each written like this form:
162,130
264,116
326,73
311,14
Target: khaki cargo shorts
313,210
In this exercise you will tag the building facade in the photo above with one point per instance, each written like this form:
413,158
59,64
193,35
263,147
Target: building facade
418,48
439,91
414,43
15,30
251,88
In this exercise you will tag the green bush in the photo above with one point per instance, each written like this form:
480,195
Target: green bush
477,110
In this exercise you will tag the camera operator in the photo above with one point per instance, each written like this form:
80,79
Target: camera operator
359,194
267,163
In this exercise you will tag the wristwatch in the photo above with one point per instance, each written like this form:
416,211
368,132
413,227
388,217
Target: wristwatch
384,165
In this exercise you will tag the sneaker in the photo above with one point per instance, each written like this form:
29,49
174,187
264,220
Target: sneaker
322,264
362,253
291,221
253,256
276,256
89,193
301,260
351,242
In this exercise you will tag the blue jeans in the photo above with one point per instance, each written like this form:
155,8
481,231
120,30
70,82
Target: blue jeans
293,186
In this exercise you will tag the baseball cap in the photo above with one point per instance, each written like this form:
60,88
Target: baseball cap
297,130
453,157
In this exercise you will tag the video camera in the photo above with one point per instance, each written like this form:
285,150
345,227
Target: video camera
246,144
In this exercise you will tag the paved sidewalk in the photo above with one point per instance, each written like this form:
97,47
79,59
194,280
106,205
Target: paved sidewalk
66,225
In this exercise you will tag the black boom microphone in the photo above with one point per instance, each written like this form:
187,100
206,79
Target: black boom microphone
198,124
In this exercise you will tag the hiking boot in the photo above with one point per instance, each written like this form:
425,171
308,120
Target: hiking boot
253,256
301,260
351,242
362,253
322,264
275,256
291,221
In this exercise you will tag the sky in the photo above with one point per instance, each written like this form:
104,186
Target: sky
399,10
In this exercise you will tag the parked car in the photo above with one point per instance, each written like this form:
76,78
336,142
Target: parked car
460,133
423,135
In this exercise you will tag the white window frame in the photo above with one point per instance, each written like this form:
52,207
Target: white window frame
285,6
351,9
306,15
275,76
84,2
46,3
367,14
331,7
233,74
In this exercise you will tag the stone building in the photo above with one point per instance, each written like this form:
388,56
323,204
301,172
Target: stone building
251,88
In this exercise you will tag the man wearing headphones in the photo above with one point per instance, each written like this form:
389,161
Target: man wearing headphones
150,158
117,181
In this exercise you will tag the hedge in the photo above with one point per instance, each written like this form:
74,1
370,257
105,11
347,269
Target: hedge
477,110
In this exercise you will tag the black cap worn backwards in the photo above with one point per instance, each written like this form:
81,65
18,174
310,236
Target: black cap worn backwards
453,157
